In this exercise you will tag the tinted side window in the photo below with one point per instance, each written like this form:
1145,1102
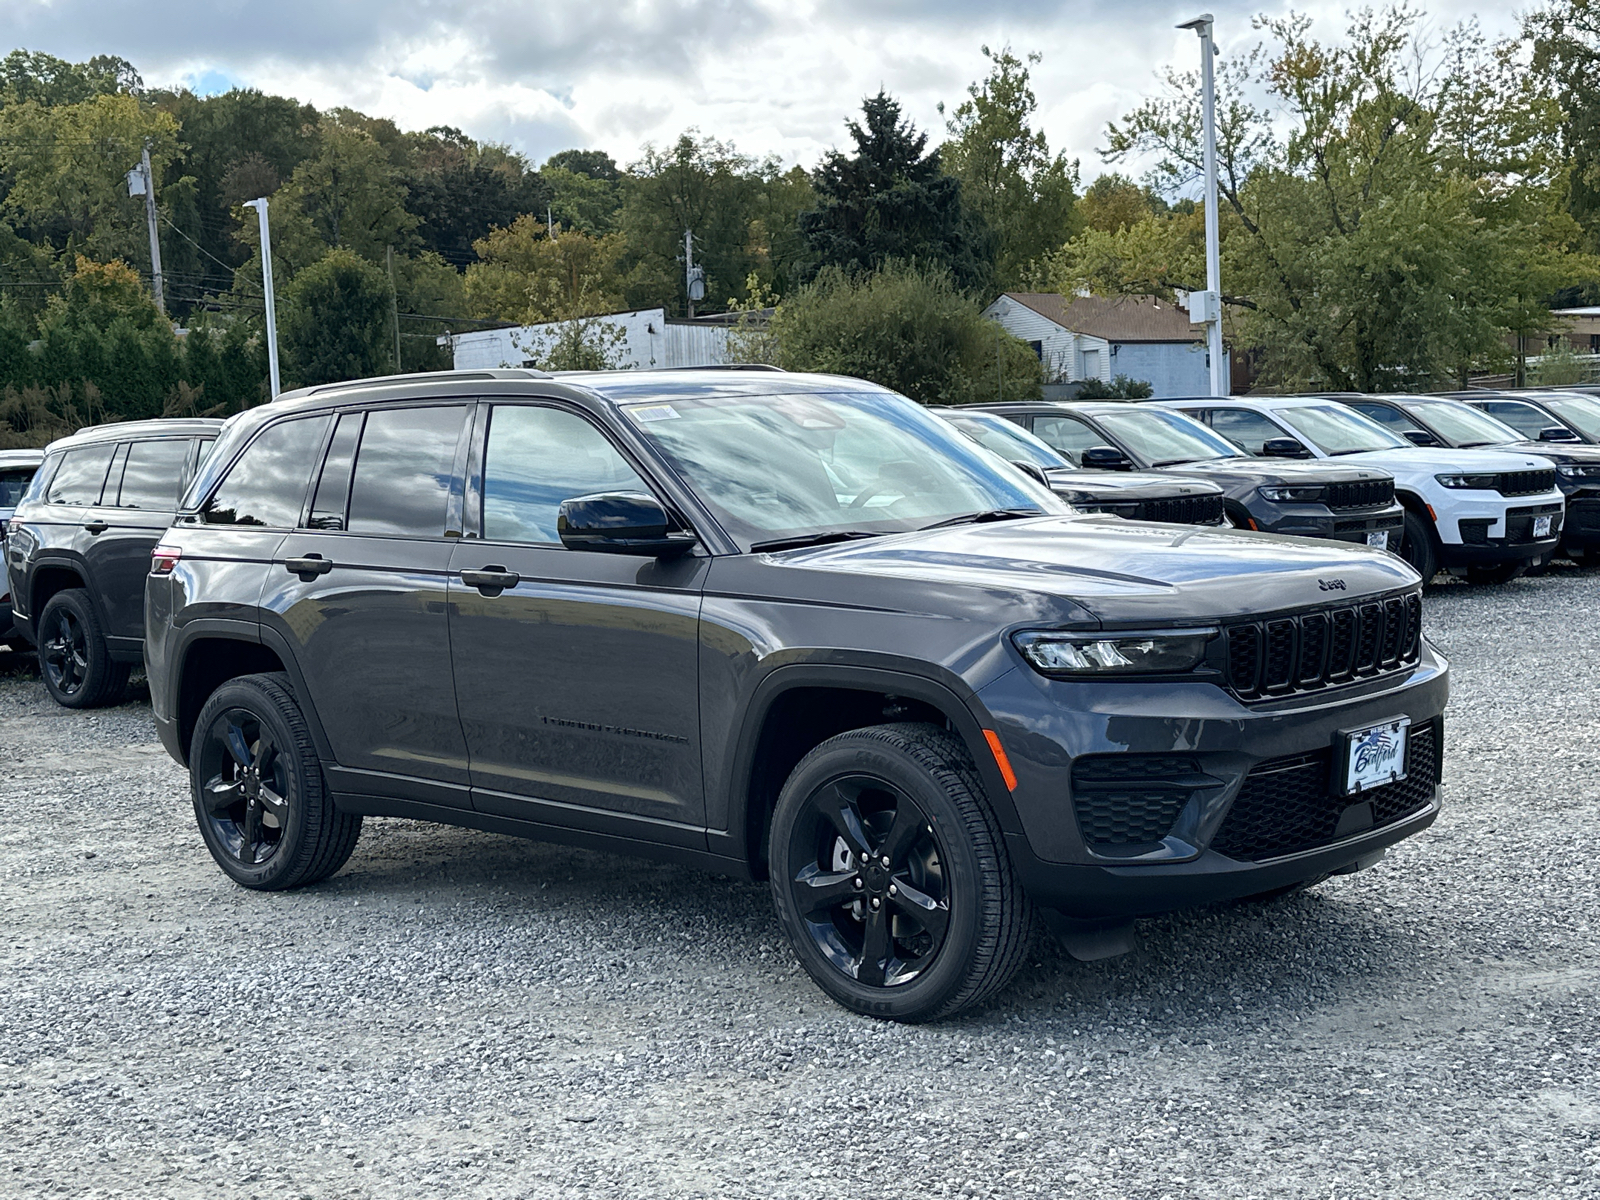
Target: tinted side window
13,482
82,473
1071,437
1524,418
404,470
535,459
267,486
154,474
333,489
1392,418
1246,430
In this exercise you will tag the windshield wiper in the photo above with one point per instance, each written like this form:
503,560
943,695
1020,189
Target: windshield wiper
990,514
812,539
1179,462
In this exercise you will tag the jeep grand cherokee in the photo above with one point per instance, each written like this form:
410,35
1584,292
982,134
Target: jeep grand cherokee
784,626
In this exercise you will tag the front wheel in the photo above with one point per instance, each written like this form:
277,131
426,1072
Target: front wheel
890,875
1417,546
259,796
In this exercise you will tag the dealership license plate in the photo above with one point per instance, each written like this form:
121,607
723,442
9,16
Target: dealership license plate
1541,527
1379,538
1374,756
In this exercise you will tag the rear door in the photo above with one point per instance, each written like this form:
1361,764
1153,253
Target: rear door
69,505
141,494
577,681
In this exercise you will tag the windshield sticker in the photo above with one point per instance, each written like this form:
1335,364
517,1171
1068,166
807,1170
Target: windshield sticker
653,412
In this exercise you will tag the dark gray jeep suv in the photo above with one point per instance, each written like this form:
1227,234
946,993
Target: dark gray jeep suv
783,626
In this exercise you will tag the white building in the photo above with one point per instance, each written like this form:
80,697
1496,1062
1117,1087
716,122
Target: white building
649,340
1098,337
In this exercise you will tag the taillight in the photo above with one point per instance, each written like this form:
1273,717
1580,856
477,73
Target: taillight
163,559
14,525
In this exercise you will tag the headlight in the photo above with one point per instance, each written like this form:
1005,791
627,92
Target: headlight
1075,654
1579,470
1292,495
1482,483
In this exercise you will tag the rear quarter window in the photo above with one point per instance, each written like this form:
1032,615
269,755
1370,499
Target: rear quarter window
81,476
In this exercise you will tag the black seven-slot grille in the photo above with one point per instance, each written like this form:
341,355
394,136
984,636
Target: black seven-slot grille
1303,651
1525,483
1360,493
1287,804
1182,510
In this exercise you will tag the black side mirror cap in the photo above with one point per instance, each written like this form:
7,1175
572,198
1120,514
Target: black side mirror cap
1031,470
620,523
1421,437
1284,447
1557,433
1106,458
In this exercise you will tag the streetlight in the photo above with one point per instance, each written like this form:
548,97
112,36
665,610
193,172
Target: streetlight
266,287
1206,307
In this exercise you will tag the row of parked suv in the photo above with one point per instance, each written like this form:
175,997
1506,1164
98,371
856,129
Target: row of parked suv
789,627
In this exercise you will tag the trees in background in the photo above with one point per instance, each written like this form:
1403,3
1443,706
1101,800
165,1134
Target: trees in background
335,320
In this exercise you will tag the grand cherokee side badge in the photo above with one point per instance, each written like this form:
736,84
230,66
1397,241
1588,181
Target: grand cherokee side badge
1331,585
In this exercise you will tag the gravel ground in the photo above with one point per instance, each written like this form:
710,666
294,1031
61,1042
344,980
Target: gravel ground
463,1015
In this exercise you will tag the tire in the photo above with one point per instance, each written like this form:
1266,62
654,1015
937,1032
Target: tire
1418,547
74,660
259,796
952,923
1495,573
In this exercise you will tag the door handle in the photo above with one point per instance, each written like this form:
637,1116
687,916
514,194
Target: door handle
97,527
309,567
492,580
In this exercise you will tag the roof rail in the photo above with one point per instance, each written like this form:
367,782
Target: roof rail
424,377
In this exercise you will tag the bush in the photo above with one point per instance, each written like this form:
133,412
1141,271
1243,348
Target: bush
1122,387
337,321
908,328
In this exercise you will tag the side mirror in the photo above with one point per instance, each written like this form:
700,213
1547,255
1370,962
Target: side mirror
1557,433
1032,470
620,523
1421,437
1106,458
1284,447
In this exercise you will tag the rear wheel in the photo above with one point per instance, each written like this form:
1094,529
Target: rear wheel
1418,546
259,795
1493,573
890,875
74,660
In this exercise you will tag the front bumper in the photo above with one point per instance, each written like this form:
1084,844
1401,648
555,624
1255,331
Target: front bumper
1508,539
1582,531
1320,521
1046,726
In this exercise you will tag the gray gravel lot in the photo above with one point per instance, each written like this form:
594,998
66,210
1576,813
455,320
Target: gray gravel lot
463,1015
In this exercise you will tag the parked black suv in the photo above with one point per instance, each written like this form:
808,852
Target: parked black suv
78,549
17,469
777,625
1308,499
1136,495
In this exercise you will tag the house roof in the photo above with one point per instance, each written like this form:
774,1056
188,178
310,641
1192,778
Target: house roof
1115,318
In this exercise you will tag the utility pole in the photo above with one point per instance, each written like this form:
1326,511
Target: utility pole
394,311
260,206
549,222
1206,307
694,279
141,182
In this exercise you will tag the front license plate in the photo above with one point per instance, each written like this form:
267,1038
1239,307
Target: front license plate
1541,527
1379,538
1373,756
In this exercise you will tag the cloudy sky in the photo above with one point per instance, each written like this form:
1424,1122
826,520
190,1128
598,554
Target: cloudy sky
772,76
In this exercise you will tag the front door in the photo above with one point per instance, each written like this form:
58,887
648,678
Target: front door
576,673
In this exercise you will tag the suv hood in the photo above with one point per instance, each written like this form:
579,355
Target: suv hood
1099,568
1128,485
1402,460
1561,452
1241,475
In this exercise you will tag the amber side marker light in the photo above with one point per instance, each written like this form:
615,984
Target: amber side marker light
1000,759
163,559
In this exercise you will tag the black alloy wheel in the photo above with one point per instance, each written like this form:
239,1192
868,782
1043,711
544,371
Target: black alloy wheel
259,796
867,878
244,789
890,875
1419,546
74,661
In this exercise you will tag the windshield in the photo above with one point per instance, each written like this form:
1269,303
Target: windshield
793,466
1582,413
1163,439
1461,424
1007,439
1336,430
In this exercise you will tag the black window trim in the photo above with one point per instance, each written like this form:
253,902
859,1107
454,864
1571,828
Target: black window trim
197,516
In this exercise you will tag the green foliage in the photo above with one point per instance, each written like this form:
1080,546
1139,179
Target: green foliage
1560,367
1565,35
335,321
1121,387
1009,178
49,81
581,202
459,191
1114,202
580,344
908,328
596,164
524,275
891,201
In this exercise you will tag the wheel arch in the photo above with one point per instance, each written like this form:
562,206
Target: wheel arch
797,708
212,654
54,574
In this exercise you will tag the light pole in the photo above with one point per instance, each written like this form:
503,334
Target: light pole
266,287
1206,306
